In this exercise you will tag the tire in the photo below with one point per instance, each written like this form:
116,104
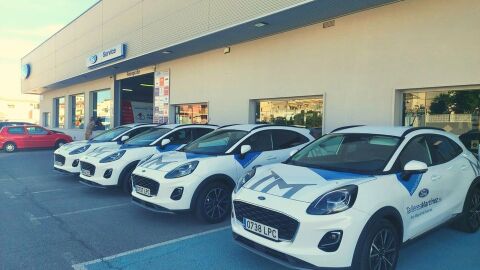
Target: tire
59,143
379,248
469,220
213,203
126,179
10,147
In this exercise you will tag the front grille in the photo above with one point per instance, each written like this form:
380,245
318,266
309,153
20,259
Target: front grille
147,183
88,167
60,159
287,226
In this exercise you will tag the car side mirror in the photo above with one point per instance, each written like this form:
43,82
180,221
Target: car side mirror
293,152
124,138
245,149
413,167
164,142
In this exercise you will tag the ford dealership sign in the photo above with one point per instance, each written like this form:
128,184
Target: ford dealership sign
106,56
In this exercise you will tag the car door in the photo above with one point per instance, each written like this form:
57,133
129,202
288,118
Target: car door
286,141
422,193
447,155
39,137
18,136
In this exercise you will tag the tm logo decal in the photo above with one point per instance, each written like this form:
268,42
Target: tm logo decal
276,181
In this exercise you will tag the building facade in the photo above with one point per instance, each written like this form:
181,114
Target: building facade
319,64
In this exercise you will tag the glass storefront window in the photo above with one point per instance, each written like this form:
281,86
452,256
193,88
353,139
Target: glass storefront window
78,111
456,111
305,112
102,109
59,108
191,113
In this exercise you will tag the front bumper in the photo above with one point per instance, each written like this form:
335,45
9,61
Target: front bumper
100,176
162,200
302,250
67,163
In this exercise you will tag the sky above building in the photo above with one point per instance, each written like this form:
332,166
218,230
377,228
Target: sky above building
25,24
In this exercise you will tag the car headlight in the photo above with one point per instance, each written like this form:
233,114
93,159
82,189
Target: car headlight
335,201
79,150
113,157
244,179
182,170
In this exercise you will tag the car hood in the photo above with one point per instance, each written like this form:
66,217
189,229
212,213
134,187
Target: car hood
301,183
73,145
169,160
103,151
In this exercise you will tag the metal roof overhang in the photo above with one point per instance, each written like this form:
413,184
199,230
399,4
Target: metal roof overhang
295,17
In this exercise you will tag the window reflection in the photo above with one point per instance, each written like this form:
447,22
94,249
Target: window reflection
102,109
191,113
306,112
59,107
78,111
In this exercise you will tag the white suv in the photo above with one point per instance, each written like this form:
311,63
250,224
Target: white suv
67,157
351,198
106,166
202,175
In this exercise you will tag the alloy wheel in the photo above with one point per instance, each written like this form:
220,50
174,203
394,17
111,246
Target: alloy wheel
383,250
216,203
10,147
474,212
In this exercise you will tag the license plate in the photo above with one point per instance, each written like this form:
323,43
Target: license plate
260,228
58,163
142,190
86,172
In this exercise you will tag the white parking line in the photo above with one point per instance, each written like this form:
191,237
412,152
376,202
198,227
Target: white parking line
80,211
82,266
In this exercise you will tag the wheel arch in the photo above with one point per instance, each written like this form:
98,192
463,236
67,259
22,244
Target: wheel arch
223,178
12,142
389,213
125,170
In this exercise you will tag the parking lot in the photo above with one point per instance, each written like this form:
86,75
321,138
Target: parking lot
50,221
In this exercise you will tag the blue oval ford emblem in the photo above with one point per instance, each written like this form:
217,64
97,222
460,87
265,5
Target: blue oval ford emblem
261,198
423,193
93,59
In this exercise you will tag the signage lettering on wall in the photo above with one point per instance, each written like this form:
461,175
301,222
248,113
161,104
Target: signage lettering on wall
161,97
106,56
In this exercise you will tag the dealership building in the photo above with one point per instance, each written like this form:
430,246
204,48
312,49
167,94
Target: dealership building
320,64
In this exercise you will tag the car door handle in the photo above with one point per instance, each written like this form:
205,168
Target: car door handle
464,167
271,158
436,177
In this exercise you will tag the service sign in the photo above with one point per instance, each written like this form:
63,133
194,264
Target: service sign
106,56
161,97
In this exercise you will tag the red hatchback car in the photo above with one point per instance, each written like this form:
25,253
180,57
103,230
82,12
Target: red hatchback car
21,137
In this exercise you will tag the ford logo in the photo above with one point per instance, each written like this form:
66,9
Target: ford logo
93,59
423,193
261,198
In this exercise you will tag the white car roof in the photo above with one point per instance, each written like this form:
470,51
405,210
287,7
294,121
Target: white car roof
396,131
139,125
250,127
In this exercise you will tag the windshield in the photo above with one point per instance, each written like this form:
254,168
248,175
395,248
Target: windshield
361,153
110,134
215,143
147,137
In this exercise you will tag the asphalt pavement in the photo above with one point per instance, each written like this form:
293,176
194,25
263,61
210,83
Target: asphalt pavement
50,221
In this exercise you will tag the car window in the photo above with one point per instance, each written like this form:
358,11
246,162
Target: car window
199,132
110,134
16,130
283,139
181,136
260,141
216,142
137,131
147,137
362,153
416,149
36,131
443,149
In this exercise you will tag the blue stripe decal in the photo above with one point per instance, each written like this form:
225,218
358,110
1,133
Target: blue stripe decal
167,148
411,184
193,155
247,159
334,175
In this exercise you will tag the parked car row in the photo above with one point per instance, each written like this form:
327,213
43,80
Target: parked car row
348,199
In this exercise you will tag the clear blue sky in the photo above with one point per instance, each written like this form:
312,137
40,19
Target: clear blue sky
24,24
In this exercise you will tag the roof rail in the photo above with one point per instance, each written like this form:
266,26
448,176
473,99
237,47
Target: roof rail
229,125
184,125
345,127
410,130
275,125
